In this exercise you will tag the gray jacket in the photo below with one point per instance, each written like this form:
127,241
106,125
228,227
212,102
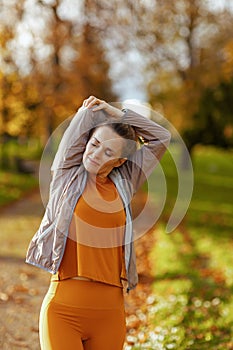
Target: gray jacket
69,177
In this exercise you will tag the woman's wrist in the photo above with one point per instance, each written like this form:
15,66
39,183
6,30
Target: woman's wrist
115,112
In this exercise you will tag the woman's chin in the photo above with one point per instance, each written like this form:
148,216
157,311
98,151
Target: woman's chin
95,170
91,169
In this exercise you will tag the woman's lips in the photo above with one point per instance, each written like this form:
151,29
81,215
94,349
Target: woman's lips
93,162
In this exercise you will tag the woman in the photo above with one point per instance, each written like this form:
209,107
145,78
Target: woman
85,238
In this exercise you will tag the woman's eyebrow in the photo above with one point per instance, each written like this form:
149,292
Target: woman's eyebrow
96,139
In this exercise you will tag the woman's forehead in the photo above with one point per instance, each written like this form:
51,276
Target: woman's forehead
106,133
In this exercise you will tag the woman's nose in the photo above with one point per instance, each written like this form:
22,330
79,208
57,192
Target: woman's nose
97,153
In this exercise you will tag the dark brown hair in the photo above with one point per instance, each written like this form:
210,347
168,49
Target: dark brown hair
128,133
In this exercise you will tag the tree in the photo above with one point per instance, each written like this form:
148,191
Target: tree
180,44
184,42
213,120
76,66
12,111
63,63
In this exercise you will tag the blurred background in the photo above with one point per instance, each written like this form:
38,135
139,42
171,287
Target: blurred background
175,56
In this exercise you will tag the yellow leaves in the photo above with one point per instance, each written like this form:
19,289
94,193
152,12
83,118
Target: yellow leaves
18,292
4,296
16,87
15,125
227,65
49,101
14,115
140,300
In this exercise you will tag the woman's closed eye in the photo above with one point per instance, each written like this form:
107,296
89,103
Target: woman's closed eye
108,153
94,142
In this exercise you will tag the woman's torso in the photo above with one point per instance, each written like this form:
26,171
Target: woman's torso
94,247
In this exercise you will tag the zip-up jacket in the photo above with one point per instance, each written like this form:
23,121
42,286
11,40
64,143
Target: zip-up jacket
69,178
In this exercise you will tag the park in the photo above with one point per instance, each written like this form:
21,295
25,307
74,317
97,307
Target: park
184,51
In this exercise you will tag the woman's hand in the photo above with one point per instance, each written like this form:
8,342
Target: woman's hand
101,104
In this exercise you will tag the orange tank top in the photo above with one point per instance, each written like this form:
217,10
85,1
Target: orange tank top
94,247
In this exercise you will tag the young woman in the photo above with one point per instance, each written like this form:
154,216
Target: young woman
86,238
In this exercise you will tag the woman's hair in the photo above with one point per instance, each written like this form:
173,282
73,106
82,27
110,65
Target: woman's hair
127,132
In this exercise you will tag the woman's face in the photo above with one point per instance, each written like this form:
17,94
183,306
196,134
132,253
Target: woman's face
103,151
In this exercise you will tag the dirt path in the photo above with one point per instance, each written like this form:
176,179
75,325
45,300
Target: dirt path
22,287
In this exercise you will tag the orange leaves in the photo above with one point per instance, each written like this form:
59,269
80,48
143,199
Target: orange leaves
139,301
216,275
18,293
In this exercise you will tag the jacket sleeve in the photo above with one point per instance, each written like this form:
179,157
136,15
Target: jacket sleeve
74,140
155,142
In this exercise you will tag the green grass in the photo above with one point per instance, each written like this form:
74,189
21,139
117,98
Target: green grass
193,266
28,149
18,226
14,185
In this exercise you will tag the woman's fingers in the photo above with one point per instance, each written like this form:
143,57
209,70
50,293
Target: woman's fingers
101,104
92,101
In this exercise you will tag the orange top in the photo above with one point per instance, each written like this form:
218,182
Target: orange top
94,245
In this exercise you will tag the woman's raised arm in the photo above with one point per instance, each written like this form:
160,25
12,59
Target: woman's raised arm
74,140
155,142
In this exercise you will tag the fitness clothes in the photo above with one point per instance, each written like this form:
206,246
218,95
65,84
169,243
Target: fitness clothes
94,246
82,315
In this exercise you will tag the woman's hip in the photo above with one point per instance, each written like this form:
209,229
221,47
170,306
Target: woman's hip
85,294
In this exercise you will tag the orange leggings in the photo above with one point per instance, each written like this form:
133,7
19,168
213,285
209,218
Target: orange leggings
82,315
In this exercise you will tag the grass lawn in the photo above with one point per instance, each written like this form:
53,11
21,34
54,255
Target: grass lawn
193,265
13,185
